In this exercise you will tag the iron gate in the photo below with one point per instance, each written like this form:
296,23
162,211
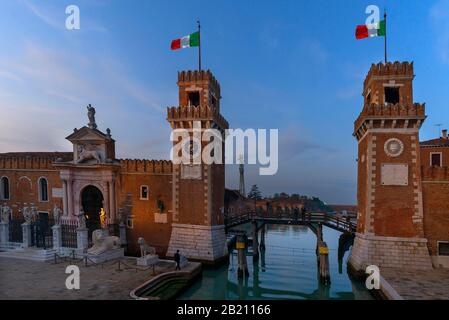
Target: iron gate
15,228
41,232
68,235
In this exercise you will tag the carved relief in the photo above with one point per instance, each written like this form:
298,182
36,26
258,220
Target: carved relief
87,152
394,147
191,172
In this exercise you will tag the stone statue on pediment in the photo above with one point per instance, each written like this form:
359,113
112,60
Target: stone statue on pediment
91,115
56,214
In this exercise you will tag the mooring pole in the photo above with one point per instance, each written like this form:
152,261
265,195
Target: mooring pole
242,269
262,237
255,242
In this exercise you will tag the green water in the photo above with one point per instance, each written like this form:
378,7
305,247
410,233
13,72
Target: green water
286,270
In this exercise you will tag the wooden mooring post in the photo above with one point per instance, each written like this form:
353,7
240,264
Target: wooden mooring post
262,237
323,262
242,265
255,241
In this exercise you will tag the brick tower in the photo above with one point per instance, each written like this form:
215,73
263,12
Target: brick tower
198,189
389,190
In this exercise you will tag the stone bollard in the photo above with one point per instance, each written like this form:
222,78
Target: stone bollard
255,242
26,235
82,238
4,233
57,237
122,229
242,269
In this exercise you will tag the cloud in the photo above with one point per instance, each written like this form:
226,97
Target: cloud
51,88
42,15
439,15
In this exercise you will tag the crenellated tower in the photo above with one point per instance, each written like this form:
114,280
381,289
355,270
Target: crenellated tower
389,190
198,187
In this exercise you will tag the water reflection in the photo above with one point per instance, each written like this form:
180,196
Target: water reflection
286,269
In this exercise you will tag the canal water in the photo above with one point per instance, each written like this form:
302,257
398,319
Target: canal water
286,270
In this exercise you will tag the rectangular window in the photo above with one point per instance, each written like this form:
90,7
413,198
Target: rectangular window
435,159
194,98
143,192
443,248
391,95
130,223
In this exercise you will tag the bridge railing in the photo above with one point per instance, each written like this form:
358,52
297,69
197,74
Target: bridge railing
308,217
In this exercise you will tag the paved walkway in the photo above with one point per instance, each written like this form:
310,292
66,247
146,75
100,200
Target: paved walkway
23,279
419,285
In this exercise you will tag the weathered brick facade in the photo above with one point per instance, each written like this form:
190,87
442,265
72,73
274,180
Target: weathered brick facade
171,209
402,200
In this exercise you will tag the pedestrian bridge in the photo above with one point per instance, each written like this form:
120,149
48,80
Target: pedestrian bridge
307,219
313,220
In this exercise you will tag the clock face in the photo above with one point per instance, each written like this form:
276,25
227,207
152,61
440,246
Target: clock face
394,147
191,147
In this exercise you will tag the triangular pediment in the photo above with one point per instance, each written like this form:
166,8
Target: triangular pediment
88,134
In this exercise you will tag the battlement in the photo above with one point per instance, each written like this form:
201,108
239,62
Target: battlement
389,69
199,113
32,160
146,166
198,76
400,115
434,173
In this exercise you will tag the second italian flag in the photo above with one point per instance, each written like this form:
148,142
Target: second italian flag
375,30
192,40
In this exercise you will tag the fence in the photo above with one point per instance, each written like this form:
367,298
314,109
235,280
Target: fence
15,227
68,233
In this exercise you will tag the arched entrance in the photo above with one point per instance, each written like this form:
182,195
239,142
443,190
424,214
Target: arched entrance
92,203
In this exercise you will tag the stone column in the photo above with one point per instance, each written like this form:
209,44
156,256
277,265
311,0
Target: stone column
57,236
70,198
122,227
111,201
4,233
26,234
82,239
64,198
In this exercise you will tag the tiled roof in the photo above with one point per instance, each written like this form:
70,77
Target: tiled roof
440,142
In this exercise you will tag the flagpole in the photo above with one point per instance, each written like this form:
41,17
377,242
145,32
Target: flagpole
199,45
385,17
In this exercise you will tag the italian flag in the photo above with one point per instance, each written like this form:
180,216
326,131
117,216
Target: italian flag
192,40
375,30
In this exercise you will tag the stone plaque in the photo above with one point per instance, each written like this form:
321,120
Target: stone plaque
56,192
394,175
191,172
160,217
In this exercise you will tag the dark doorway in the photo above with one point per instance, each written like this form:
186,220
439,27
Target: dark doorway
92,202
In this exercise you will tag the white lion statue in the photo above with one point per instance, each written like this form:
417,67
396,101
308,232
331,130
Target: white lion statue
102,243
145,249
88,152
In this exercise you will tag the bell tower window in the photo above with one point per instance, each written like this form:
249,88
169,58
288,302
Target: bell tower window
392,95
194,98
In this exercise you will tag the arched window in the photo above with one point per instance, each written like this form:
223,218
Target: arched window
4,188
43,189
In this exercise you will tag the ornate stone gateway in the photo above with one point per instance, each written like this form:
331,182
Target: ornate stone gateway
92,206
89,180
